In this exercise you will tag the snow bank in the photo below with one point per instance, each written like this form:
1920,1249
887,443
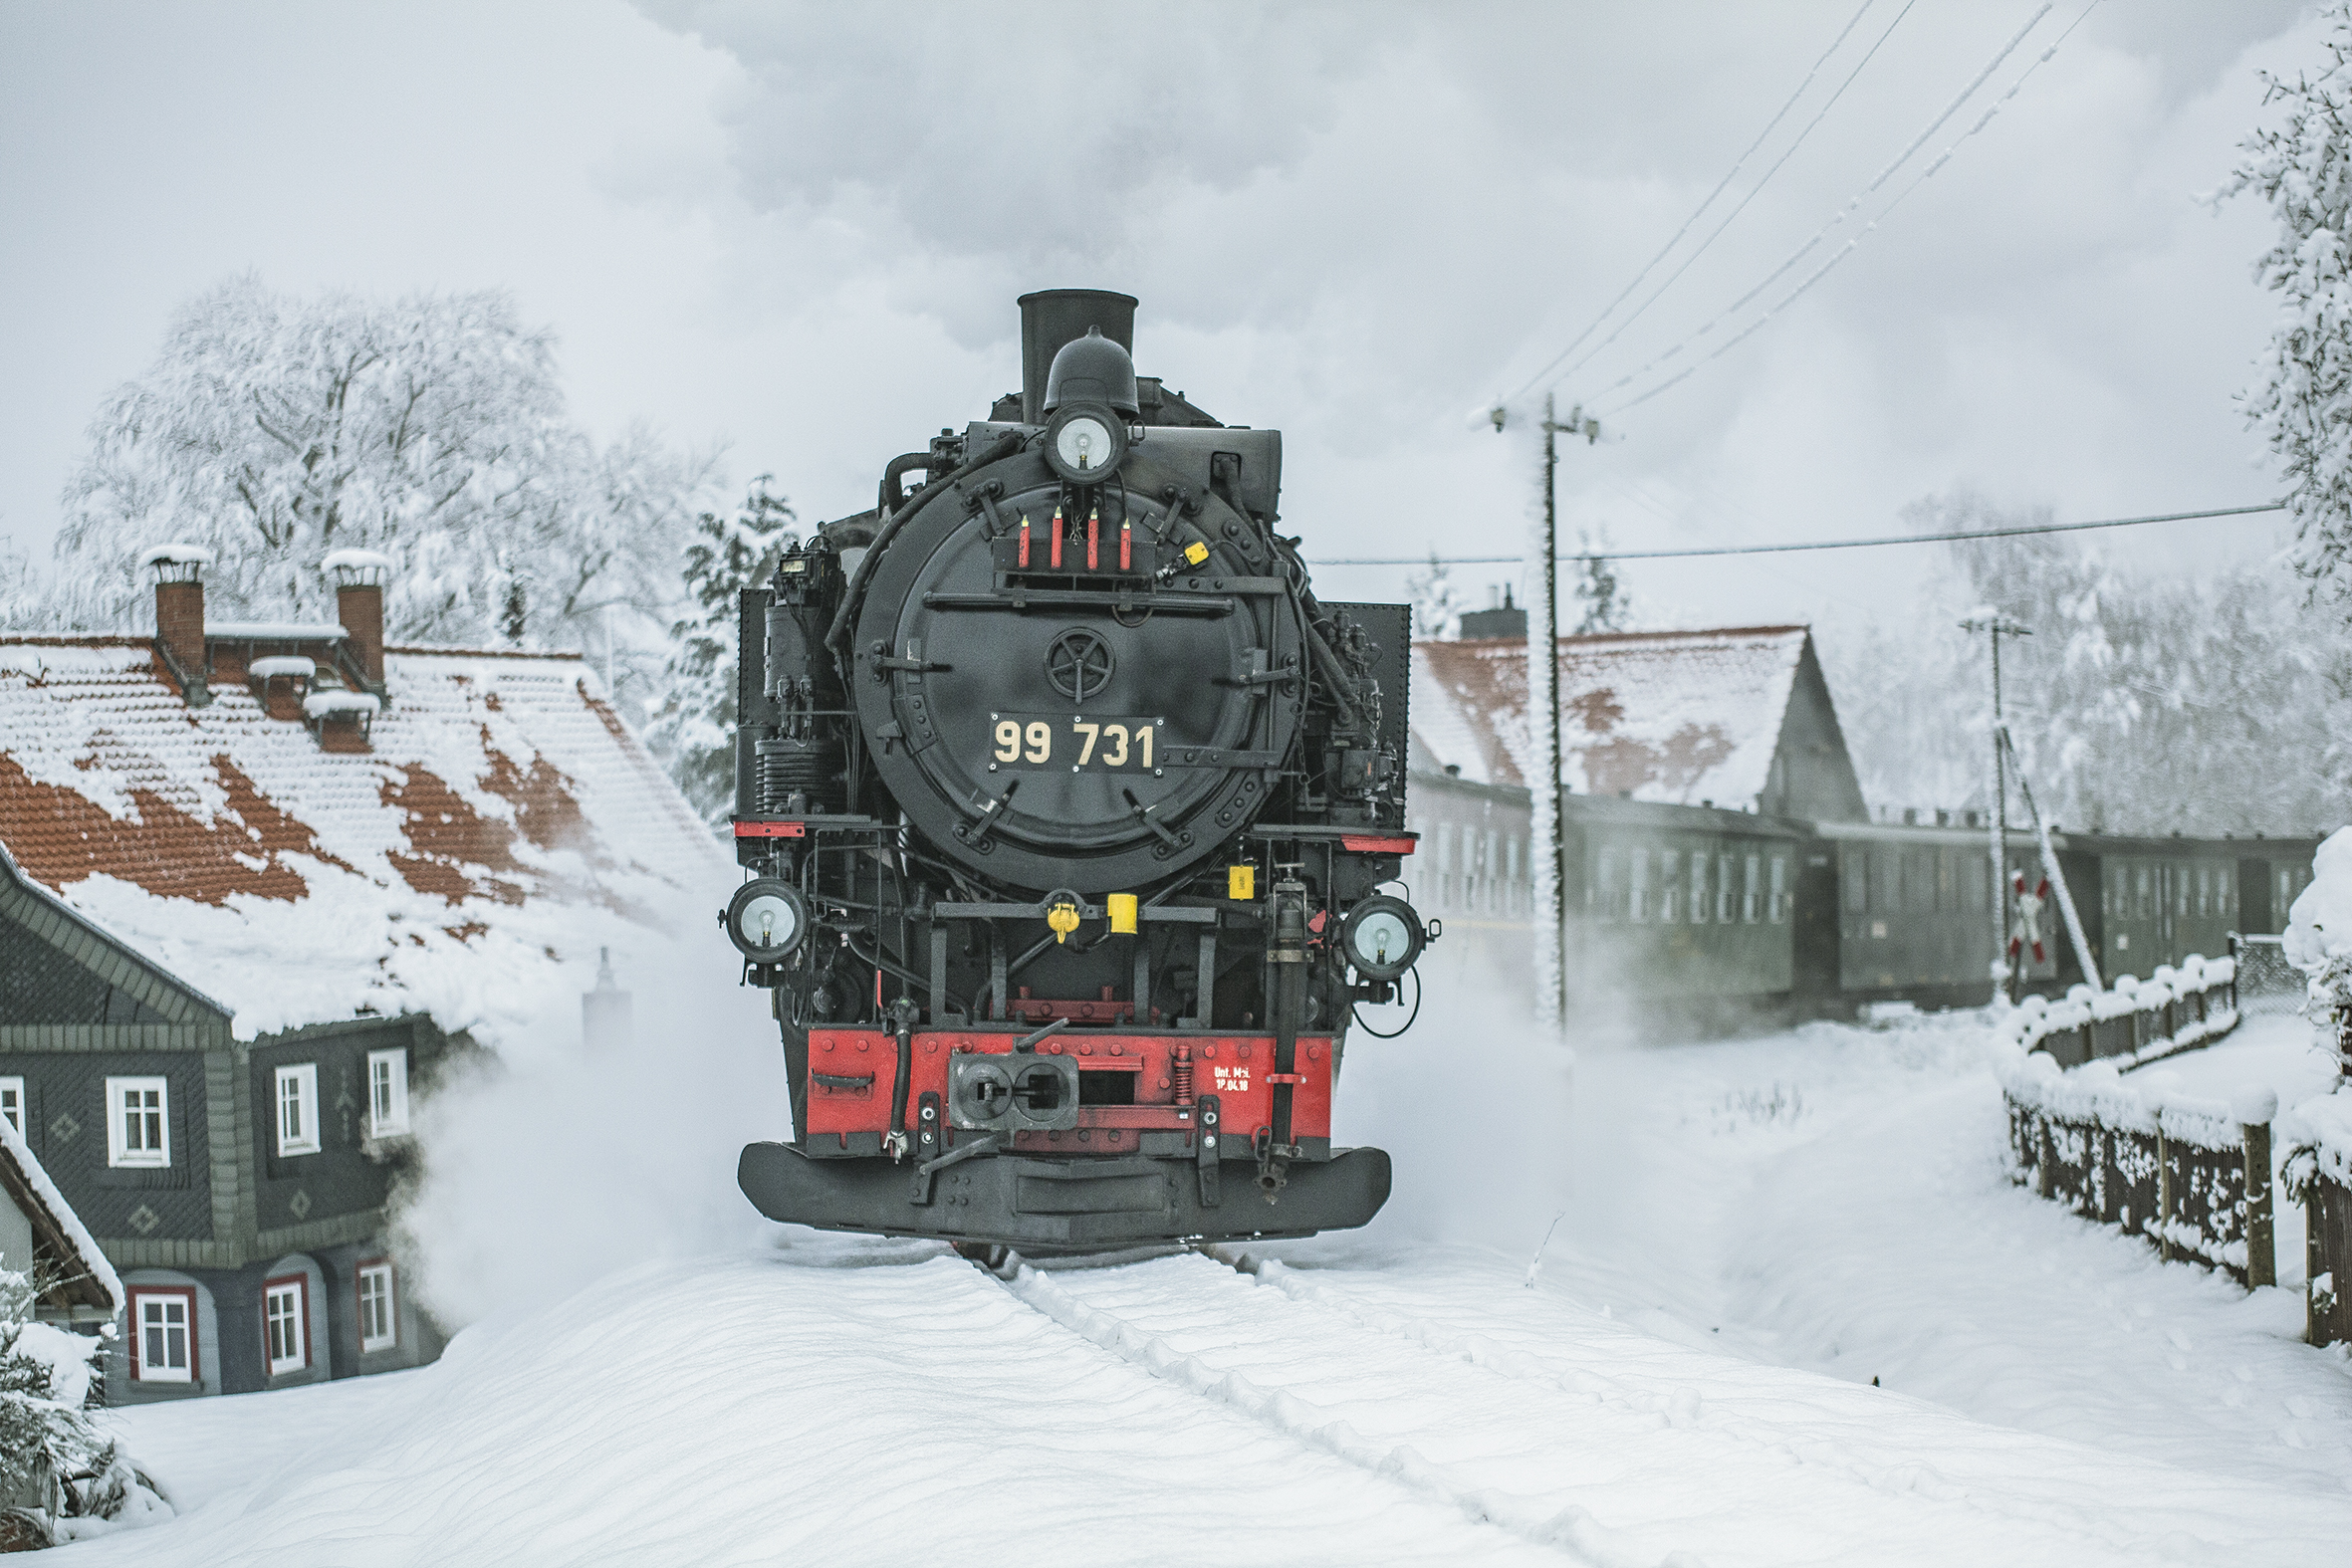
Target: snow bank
2319,1131
2319,923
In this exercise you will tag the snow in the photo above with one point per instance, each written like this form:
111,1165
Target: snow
177,554
355,561
276,664
273,631
19,1154
320,704
1755,1232
2319,923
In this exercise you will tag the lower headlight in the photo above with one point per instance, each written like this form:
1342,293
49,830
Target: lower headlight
765,920
1381,937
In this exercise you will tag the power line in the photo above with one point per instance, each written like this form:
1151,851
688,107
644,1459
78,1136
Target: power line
1843,213
1720,186
1818,544
1752,192
1842,251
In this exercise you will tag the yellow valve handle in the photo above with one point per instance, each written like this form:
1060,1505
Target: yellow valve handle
1061,920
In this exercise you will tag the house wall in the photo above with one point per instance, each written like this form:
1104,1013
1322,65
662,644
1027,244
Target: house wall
16,1236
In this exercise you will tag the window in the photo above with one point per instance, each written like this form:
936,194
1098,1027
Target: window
284,1307
379,1324
138,1122
2205,890
1751,891
1857,880
1669,885
2146,897
163,1334
298,1110
1947,883
1604,885
12,1102
1698,887
2222,904
387,1091
1779,890
1638,883
1723,890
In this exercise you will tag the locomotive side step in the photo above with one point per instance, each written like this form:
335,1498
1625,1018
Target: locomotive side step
1058,1203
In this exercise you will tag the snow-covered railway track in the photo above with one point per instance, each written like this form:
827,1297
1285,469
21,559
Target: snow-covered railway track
1638,1470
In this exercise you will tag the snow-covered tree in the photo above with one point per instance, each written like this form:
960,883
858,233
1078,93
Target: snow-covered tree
47,1385
2142,702
1437,603
692,721
275,428
2302,398
1601,605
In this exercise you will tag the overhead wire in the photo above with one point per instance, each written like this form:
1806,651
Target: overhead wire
1720,186
1753,191
1807,544
1847,249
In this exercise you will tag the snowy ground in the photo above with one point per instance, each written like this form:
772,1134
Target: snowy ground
1755,1231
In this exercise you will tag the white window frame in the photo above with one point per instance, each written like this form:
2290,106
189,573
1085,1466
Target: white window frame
12,1103
143,1371
385,1278
156,1156
298,1133
297,1286
389,1116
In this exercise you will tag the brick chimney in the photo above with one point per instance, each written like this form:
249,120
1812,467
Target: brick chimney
179,615
359,604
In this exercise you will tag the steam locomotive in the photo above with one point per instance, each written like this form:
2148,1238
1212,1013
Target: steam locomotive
1067,809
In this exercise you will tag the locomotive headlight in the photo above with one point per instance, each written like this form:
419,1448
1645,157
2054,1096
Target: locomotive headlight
1381,937
767,919
1086,442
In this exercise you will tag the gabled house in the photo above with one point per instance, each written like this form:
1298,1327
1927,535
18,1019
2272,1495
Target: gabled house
259,883
1697,750
41,1236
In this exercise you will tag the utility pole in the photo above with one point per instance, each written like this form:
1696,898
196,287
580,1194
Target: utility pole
1544,705
2003,973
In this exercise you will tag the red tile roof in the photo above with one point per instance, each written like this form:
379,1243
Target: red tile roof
1674,716
502,822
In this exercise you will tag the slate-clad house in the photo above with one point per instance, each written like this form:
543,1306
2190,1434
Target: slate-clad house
259,883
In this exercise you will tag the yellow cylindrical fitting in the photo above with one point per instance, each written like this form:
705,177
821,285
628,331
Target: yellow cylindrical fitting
1241,883
1061,920
1123,913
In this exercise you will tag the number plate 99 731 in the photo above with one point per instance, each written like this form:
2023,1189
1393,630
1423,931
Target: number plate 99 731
1074,742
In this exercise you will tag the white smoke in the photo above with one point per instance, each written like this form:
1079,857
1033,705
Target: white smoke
548,1165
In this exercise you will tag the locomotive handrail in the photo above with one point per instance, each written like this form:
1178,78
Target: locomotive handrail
970,911
1163,602
854,594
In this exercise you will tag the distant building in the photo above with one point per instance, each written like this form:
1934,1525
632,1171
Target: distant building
259,883
1694,745
41,1237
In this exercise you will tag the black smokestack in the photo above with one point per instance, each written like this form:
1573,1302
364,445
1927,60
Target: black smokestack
1050,318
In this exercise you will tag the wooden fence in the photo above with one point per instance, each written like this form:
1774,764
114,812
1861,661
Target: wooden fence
2137,1021
2317,1173
2192,1178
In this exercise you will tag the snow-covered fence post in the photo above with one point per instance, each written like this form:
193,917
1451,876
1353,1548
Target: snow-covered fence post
2254,1112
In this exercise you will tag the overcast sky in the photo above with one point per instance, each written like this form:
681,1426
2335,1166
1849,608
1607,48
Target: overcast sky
798,230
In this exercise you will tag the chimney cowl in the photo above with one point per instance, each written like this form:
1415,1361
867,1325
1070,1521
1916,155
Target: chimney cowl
353,568
178,561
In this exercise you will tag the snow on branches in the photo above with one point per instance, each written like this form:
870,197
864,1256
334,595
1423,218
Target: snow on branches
274,429
2302,398
47,1437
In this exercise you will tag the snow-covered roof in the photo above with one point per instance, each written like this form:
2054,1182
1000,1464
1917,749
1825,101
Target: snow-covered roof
176,555
83,1273
498,825
1669,716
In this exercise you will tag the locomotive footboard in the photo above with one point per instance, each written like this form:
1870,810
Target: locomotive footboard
1076,1204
